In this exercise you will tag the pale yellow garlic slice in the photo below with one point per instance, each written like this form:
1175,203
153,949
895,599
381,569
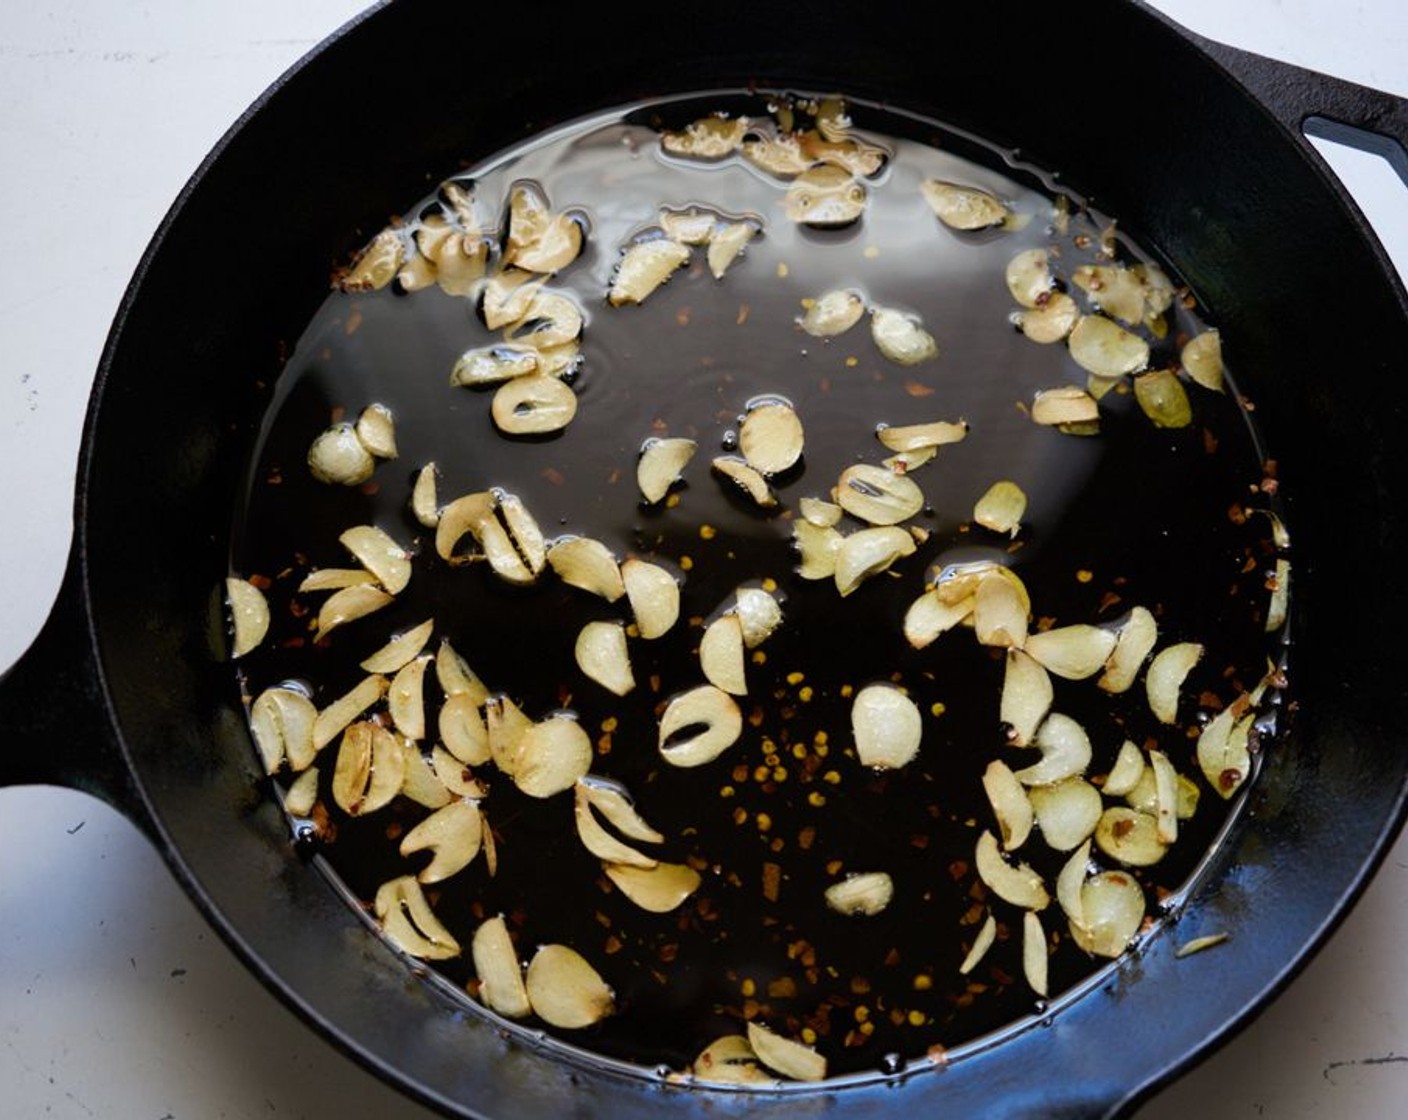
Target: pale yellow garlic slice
410,924
565,991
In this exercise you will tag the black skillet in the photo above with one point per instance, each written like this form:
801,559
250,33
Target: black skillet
1208,167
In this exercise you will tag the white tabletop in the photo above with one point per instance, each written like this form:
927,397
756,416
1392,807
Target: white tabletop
116,1000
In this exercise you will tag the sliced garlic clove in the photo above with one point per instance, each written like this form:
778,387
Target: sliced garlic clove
1026,697
654,596
1000,611
833,313
1065,752
614,804
1001,508
822,514
1014,883
507,296
1070,884
1104,348
728,1061
917,437
405,699
493,365
533,405
453,835
1280,600
370,769
552,322
408,922
1011,807
249,615
818,547
886,725
302,795
538,240
1130,836
402,649
1029,277
709,138
1067,812
987,935
1073,652
281,721
463,516
598,841
1066,405
455,676
335,579
867,553
1113,905
602,655
421,783
1165,796
721,655
376,266
553,755
771,437
1164,680
1136,637
658,889
901,338
506,725
784,1056
698,726
878,496
726,245
376,428
759,614
565,991
463,730
339,458
644,266
779,156
864,894
458,779
374,549
1163,399
1224,751
1035,953
348,605
523,529
500,974
1126,772
1115,290
963,208
750,481
588,564
334,719
1052,322
692,226
929,617
660,464
1202,358
825,196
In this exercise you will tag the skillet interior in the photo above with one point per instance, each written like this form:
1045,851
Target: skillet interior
1266,243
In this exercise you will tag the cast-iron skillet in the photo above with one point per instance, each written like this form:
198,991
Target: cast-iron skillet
127,692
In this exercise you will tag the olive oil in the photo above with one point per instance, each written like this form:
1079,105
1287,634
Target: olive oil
1133,515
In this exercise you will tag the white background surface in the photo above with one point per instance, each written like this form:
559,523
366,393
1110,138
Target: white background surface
115,1000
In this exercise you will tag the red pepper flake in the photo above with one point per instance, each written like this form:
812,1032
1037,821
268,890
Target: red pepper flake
1209,442
369,489
354,321
917,388
957,870
553,475
682,316
743,312
338,412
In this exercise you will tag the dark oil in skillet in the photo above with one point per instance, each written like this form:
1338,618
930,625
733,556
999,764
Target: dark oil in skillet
1135,515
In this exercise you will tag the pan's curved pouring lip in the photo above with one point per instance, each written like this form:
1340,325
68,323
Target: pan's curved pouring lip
1346,856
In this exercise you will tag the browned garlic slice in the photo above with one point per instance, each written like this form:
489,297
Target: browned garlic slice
1011,807
660,464
929,617
867,553
721,655
1067,812
654,596
1073,652
1202,358
785,1056
901,337
453,836
565,991
728,1061
1065,405
1051,322
698,726
348,605
1163,399
339,458
405,699
1065,752
987,935
376,428
1130,836
833,313
370,769
1026,697
825,196
533,405
400,650
877,495
1113,907
602,655
1014,883
553,755
1001,507
658,889
408,922
886,725
463,730
963,208
587,563
249,614
1035,953
707,138
1164,680
334,719
866,893
282,723
455,676
917,437
644,266
302,795
1224,750
1126,772
817,547
500,974
374,549
377,264
750,481
1135,639
492,365
1102,347
1029,277
771,437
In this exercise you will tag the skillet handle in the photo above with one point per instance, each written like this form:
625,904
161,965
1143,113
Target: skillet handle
1310,103
54,712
